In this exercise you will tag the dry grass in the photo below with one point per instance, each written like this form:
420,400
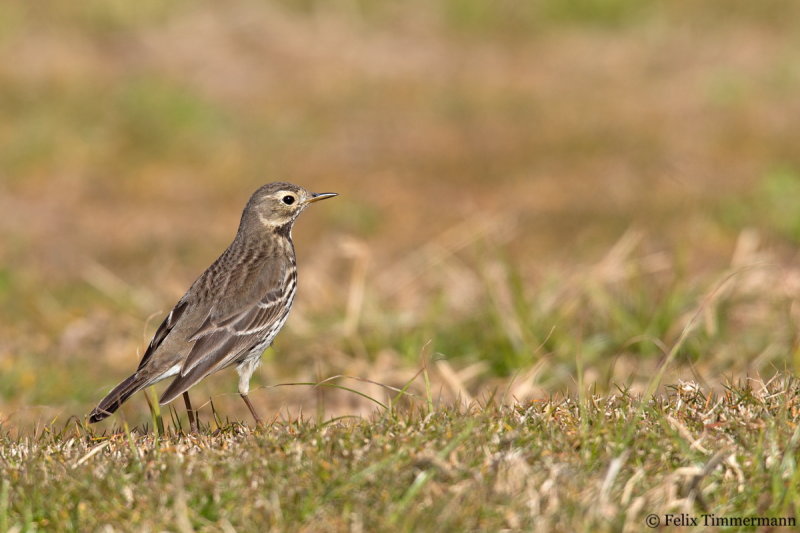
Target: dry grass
602,463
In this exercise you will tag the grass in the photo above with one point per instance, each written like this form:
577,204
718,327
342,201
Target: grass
602,463
566,231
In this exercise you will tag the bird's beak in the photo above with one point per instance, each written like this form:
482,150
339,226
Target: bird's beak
317,196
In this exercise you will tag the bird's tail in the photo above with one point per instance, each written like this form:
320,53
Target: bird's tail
117,397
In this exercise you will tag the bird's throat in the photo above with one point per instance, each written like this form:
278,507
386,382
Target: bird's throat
284,230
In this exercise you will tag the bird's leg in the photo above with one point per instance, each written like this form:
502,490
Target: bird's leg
252,409
193,425
245,370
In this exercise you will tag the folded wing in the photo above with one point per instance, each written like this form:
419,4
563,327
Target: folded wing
229,331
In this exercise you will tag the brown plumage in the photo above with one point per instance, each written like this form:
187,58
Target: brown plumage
233,311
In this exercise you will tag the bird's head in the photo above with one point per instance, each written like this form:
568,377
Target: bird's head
277,205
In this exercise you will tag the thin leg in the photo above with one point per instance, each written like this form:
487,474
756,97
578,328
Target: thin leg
245,370
252,409
189,411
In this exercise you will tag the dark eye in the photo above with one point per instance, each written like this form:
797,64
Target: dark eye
288,199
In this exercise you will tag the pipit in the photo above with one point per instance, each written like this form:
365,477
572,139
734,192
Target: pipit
232,312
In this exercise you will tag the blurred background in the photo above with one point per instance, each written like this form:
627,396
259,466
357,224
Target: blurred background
536,195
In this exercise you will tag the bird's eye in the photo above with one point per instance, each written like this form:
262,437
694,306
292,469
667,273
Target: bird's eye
288,199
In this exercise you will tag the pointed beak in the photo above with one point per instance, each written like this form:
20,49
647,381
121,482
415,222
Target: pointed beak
317,196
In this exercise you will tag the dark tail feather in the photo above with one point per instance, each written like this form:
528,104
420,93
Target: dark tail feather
117,397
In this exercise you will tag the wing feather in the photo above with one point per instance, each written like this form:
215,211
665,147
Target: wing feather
222,337
164,330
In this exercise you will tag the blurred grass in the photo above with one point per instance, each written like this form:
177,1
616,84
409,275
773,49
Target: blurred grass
539,189
774,200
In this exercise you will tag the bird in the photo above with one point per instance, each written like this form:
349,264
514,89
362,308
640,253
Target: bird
233,310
